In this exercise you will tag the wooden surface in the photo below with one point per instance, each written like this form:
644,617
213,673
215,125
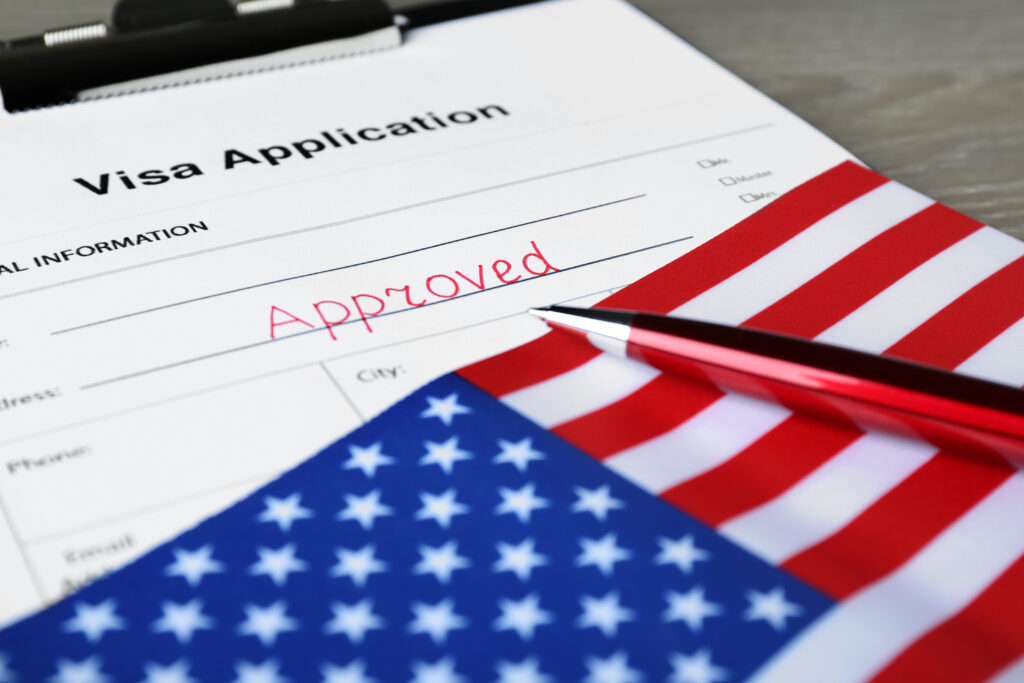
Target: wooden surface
929,92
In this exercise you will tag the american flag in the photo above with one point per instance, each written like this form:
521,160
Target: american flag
464,537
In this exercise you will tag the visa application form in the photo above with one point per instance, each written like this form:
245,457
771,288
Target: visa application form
202,286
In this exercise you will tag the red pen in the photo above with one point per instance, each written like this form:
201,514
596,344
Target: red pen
951,411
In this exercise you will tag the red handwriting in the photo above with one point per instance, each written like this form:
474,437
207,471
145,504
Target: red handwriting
363,307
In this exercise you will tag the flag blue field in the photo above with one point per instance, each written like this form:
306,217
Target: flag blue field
450,539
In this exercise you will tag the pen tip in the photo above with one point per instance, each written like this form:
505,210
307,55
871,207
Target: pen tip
541,313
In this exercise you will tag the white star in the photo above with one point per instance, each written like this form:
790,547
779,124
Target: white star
440,508
278,564
682,553
284,511
6,675
522,616
440,562
267,623
367,459
86,671
519,454
353,620
445,409
436,620
613,669
695,668
602,553
443,671
172,673
353,672
521,559
521,503
92,621
526,671
194,565
444,455
598,501
603,613
771,607
182,620
358,564
364,509
267,672
690,607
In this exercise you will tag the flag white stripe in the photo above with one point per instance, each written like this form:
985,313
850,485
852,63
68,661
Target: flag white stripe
1001,359
589,387
809,253
829,498
706,440
923,292
851,642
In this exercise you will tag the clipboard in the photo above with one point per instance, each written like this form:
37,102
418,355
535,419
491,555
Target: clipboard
150,44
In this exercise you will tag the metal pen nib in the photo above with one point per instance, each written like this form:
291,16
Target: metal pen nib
606,329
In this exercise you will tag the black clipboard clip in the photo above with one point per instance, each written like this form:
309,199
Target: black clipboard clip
160,43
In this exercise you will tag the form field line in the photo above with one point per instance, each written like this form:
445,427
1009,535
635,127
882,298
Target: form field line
265,342
346,266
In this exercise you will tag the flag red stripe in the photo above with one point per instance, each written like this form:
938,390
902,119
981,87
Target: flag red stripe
659,406
898,524
851,282
529,364
974,644
990,307
774,463
687,276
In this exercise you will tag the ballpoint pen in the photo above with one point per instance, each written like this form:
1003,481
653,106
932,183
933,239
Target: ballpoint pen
950,410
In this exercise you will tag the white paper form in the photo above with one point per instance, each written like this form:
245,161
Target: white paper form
200,287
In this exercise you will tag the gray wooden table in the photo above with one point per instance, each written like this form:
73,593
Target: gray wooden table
929,92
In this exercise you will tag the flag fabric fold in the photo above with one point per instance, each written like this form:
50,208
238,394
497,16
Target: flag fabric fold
556,513
916,543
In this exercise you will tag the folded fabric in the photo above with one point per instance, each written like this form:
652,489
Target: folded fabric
600,521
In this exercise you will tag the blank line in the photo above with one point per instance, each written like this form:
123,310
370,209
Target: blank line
512,183
345,267
260,480
265,342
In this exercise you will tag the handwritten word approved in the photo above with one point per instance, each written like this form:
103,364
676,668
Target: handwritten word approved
365,306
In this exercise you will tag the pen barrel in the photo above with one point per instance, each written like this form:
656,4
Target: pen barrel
850,388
